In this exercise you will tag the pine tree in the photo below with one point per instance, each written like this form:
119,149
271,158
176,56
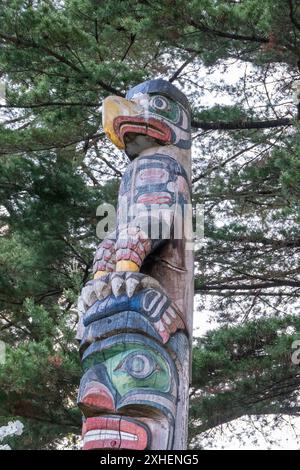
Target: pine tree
59,60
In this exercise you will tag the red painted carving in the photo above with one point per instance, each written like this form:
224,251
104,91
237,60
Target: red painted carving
98,396
113,433
139,125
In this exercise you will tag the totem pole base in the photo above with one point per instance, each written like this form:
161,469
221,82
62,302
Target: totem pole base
134,348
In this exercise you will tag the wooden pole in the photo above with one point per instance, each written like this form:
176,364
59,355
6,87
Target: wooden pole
137,312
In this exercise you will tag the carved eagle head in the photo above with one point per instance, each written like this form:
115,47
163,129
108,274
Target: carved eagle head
153,113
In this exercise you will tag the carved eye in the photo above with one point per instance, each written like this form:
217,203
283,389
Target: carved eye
159,103
138,365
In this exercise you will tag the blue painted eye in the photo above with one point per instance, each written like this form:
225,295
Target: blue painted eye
160,103
138,365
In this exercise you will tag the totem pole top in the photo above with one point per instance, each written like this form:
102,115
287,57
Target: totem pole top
159,86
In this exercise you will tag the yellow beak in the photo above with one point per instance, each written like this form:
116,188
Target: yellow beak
112,108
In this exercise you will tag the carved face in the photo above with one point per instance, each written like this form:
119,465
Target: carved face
128,375
147,309
151,117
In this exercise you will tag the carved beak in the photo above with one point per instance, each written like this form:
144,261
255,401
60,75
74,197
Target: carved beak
113,107
121,117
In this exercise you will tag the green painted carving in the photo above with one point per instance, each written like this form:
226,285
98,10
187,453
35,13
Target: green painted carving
130,367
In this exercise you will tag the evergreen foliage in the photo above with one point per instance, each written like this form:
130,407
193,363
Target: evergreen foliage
59,59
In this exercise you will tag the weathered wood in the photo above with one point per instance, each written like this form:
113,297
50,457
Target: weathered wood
137,312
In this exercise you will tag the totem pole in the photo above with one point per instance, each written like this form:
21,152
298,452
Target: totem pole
137,311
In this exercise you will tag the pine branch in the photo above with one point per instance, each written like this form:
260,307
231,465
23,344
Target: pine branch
181,68
241,125
227,35
292,14
18,41
48,104
243,286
